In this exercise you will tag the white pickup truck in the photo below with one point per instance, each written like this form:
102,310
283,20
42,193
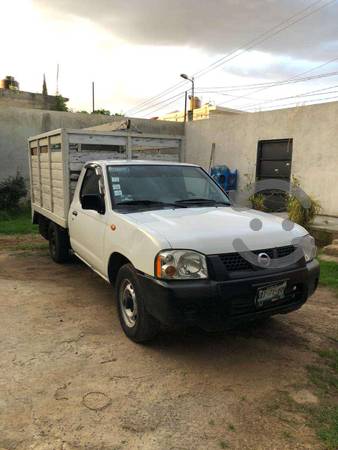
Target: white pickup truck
163,234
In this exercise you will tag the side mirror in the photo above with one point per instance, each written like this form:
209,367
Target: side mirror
94,202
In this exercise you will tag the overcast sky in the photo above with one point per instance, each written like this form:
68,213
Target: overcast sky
135,49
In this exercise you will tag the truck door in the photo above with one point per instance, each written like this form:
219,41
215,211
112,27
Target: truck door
87,227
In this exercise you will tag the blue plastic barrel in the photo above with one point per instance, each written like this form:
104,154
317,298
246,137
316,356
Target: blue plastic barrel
224,177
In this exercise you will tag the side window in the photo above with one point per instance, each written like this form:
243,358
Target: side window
90,183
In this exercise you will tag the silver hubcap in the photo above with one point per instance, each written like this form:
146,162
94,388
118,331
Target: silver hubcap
128,304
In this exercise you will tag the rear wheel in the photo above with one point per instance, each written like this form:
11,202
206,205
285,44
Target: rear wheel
43,226
58,243
136,322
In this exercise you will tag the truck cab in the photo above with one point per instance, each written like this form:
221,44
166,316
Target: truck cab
166,236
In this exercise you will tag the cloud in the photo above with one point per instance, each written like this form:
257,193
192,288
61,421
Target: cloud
214,25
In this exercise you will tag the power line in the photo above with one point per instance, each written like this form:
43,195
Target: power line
157,109
259,39
239,87
172,99
304,94
279,99
295,77
174,87
266,35
313,101
206,89
176,96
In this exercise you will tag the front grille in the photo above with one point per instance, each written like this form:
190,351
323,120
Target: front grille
285,251
234,262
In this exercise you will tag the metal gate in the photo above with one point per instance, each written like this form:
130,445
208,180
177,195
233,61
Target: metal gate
274,160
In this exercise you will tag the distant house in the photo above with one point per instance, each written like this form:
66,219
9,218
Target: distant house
206,111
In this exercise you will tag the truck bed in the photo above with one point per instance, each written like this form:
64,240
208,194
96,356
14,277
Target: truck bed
57,157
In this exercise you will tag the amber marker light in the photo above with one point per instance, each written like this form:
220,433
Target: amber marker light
158,266
113,227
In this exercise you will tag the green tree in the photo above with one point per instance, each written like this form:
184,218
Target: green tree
105,112
60,104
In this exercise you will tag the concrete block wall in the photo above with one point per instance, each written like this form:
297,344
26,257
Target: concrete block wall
31,100
17,124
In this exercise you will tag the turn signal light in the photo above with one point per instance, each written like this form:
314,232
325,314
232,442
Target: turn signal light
158,266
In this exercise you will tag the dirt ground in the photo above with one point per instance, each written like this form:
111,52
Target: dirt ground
70,379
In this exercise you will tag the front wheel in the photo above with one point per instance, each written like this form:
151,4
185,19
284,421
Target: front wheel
136,322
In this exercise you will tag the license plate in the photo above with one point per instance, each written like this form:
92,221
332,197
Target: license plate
271,293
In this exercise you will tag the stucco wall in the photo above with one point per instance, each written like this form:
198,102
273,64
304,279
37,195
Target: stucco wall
31,100
314,130
17,124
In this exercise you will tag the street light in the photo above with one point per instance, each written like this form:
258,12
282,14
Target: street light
185,76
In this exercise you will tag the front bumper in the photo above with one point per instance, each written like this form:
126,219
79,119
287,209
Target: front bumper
214,305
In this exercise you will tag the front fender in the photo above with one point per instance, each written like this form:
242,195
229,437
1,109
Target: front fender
137,244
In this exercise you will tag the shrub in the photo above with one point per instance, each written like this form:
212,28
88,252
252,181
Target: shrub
60,103
12,190
105,112
257,202
297,212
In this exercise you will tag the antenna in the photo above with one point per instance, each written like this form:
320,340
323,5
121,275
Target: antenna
57,79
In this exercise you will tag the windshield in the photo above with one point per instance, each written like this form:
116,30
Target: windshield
156,186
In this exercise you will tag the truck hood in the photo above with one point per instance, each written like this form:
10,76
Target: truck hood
211,230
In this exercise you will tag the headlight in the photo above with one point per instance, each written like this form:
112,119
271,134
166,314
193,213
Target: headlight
309,248
180,265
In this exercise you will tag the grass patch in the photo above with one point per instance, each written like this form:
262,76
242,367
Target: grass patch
325,377
31,246
325,417
322,418
231,427
326,422
287,435
322,378
331,357
329,274
17,222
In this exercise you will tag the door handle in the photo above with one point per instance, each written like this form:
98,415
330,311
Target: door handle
74,213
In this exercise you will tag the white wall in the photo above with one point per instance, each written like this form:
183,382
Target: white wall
17,124
314,130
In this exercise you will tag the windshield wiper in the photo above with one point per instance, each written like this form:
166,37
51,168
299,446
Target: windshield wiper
201,201
148,203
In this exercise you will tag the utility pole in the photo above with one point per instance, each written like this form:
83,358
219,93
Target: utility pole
57,79
93,96
185,105
192,80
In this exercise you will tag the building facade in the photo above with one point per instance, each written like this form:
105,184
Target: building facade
296,142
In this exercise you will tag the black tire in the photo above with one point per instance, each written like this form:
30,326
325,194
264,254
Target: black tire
43,227
138,325
58,243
